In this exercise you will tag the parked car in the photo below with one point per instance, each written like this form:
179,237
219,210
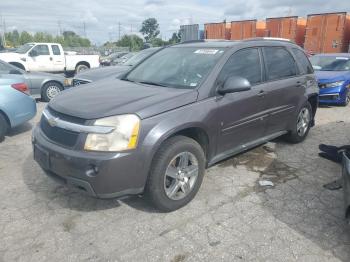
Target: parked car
112,71
109,60
16,106
49,57
333,74
41,85
183,109
346,184
123,59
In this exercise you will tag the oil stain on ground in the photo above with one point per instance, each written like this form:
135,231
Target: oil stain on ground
264,161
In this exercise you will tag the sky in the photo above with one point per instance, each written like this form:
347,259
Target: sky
102,19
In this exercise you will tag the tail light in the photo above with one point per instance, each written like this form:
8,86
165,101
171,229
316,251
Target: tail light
22,87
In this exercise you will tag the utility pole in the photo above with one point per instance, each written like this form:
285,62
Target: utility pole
84,29
59,27
118,31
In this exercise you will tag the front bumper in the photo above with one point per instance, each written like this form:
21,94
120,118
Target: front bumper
346,183
99,174
334,95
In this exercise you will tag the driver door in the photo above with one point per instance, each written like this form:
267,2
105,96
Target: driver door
241,115
39,59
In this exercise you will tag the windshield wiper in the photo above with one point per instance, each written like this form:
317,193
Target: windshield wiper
152,83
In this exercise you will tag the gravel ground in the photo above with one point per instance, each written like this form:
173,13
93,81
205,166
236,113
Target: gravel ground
231,219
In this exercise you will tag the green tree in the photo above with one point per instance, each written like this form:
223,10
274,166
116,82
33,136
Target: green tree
158,42
25,37
15,38
175,38
150,29
134,42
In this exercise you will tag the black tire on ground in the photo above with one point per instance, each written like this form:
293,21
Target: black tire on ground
155,187
4,126
69,74
50,90
294,136
80,68
347,99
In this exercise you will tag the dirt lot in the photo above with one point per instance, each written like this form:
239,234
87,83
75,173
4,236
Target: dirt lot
231,219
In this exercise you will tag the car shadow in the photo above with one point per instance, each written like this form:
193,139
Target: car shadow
47,189
20,129
298,198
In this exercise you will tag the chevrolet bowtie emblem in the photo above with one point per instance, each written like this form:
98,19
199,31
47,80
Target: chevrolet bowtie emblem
52,121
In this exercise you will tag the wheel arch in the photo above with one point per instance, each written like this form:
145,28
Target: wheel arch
313,100
6,117
83,63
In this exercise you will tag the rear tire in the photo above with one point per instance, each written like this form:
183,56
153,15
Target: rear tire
176,173
4,126
81,68
50,90
302,124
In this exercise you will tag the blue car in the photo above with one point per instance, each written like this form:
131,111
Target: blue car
16,106
333,74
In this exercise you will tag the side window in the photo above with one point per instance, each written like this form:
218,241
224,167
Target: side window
42,49
279,63
244,63
56,50
306,67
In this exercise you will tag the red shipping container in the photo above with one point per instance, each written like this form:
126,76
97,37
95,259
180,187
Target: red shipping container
327,33
217,31
292,28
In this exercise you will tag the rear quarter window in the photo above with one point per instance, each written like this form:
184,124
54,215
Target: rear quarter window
279,63
304,63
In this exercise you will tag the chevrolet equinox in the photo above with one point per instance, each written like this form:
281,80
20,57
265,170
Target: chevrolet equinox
185,108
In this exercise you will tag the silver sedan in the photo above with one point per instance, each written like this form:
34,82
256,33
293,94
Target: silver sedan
41,85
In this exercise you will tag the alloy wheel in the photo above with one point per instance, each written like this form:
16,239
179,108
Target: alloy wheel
303,122
181,175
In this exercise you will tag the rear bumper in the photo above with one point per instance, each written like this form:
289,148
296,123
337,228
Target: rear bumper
26,111
99,174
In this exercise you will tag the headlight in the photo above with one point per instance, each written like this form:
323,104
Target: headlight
123,137
334,84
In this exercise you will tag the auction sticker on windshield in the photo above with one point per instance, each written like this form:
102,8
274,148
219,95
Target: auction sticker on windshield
206,51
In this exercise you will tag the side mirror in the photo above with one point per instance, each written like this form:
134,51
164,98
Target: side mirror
33,53
235,84
15,72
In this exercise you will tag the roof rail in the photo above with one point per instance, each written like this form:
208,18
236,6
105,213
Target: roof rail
268,39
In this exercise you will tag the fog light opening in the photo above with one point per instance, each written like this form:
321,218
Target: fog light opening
92,171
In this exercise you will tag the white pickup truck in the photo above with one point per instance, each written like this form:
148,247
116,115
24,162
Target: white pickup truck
49,57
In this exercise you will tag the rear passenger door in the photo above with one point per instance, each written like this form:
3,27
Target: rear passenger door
57,58
284,88
240,115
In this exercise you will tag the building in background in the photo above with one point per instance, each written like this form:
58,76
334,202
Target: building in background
191,32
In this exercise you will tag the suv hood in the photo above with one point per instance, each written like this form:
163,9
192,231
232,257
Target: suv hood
114,97
101,72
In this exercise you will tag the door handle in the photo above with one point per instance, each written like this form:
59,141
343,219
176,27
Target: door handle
261,93
50,58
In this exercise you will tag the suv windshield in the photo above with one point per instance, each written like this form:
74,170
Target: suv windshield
140,56
330,63
24,48
178,67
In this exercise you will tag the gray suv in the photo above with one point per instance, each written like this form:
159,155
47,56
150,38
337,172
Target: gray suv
185,108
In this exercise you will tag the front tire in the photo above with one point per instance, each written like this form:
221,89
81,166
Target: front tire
302,124
4,126
50,90
347,99
176,173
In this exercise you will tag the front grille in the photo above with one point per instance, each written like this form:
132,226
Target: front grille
59,135
78,82
329,97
